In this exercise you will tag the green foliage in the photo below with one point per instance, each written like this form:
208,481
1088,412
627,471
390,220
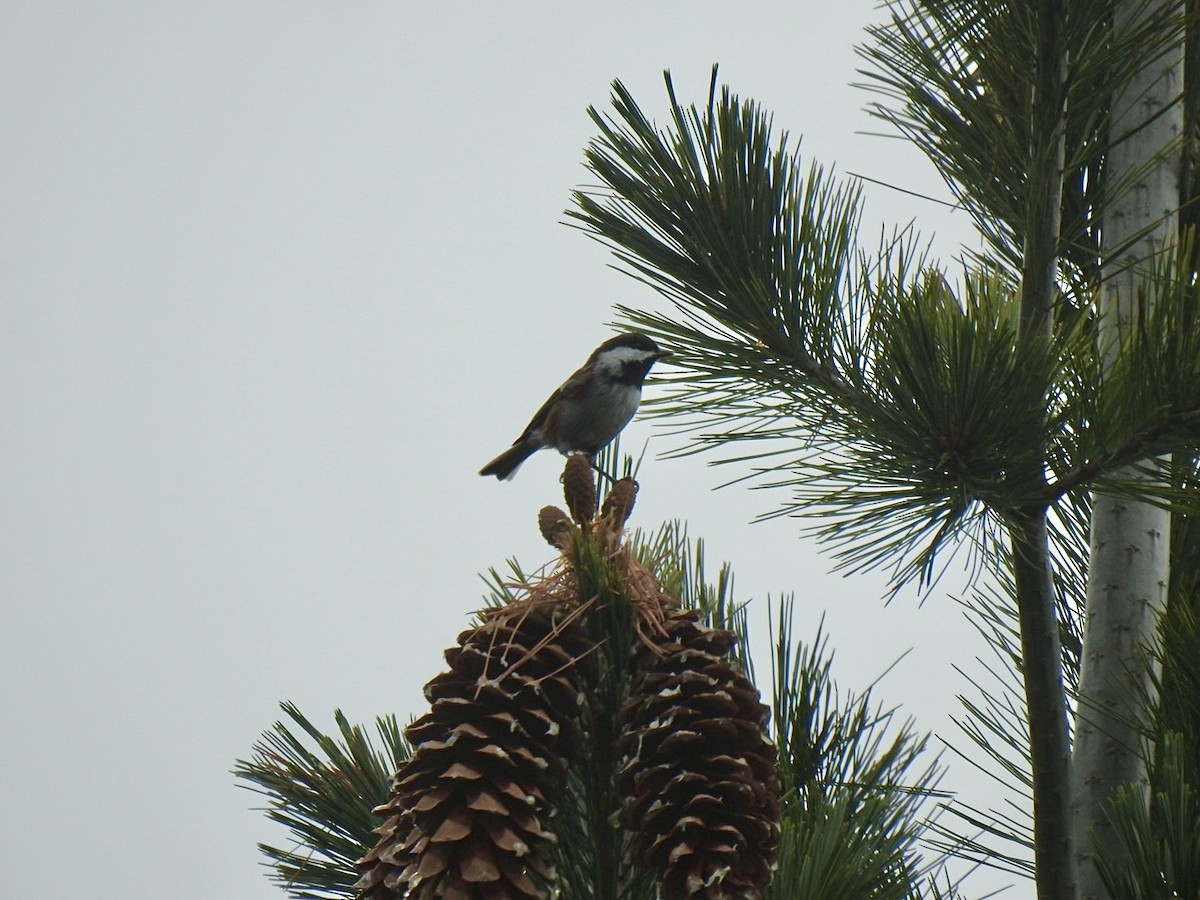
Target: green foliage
708,229
853,790
996,728
957,79
856,791
896,409
901,410
592,854
1158,832
323,796
1179,686
679,564
857,796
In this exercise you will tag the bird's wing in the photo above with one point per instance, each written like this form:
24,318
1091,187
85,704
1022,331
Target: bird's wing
570,389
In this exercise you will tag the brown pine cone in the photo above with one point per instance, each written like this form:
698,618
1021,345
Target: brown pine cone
697,767
468,813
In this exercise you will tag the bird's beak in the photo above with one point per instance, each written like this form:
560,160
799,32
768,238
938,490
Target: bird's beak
663,354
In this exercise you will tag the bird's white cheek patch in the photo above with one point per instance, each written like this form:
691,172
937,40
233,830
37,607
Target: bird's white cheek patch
615,360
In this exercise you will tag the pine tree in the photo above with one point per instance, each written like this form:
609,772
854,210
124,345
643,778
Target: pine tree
599,734
925,409
903,409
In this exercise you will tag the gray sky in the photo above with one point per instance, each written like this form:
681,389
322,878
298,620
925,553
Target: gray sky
276,279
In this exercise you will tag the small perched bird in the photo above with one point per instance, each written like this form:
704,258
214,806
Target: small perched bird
590,408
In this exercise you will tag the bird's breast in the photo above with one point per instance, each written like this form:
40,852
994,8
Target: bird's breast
586,425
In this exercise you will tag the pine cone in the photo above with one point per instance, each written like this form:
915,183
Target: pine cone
579,487
697,768
468,811
555,526
619,503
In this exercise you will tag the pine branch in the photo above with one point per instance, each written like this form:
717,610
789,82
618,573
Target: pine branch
854,792
323,796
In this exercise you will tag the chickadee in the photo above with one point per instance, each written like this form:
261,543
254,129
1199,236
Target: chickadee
590,408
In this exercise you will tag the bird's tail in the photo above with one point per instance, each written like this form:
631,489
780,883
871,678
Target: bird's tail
506,464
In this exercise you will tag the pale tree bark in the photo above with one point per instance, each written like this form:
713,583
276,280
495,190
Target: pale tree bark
1130,541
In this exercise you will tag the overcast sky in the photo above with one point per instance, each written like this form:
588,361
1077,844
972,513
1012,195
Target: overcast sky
276,279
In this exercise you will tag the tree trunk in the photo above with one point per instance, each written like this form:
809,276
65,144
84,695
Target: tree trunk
1041,655
1049,745
1130,541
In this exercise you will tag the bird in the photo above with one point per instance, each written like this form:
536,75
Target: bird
590,408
